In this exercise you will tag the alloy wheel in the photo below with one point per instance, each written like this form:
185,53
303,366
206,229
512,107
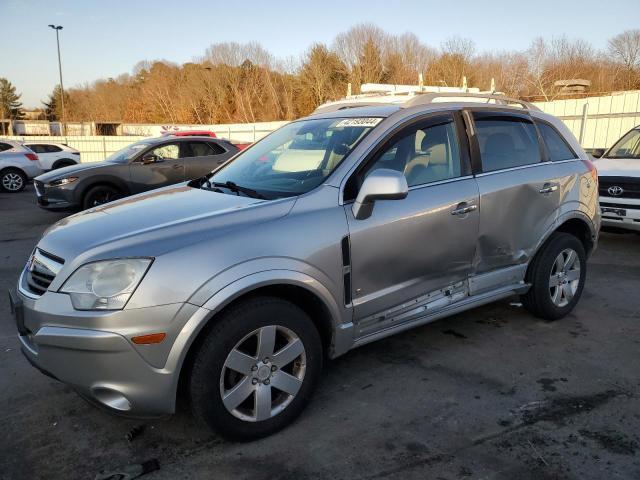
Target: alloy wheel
12,182
263,373
565,277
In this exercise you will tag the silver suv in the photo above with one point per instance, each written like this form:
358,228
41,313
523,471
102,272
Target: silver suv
355,223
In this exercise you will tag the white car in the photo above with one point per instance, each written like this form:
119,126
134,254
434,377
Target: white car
619,178
54,155
18,164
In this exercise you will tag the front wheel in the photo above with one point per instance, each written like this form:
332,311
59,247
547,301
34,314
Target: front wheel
557,275
100,195
256,368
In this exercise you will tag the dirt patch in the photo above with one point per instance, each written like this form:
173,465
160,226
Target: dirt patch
454,333
612,441
548,384
558,410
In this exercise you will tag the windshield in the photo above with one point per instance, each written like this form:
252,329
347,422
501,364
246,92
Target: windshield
296,158
627,147
124,155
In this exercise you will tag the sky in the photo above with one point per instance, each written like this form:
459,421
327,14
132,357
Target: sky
105,38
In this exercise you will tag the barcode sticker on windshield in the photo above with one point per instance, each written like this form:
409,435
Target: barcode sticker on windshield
359,122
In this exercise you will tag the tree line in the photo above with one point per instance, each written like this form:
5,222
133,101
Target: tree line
235,82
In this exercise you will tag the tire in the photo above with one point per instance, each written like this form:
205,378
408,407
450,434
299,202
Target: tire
12,180
557,275
99,195
63,163
238,330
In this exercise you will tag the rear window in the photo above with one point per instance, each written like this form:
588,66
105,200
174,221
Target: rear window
506,142
557,148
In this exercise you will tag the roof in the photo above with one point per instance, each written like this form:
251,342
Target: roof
426,99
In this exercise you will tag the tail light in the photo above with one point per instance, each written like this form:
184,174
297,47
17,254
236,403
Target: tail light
31,156
592,169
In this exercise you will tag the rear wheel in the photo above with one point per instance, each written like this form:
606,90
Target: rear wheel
12,180
256,369
557,277
100,195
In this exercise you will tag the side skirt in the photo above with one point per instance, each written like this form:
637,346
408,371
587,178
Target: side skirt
423,315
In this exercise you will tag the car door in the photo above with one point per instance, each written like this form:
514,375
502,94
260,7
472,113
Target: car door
519,190
409,250
158,166
201,157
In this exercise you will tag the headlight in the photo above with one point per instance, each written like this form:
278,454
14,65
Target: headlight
62,181
105,285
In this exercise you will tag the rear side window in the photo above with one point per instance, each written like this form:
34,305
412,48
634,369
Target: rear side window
4,146
557,148
506,142
202,149
37,148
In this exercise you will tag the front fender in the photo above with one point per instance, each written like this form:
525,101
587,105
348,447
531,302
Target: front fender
342,327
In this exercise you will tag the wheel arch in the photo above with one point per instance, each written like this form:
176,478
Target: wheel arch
574,223
300,289
66,161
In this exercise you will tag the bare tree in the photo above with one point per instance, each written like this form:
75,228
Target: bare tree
625,48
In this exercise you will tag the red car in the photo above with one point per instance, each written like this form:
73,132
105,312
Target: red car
191,133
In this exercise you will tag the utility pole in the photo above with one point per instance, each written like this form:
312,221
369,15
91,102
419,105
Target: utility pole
57,28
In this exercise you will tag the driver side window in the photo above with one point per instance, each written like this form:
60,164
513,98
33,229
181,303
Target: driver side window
425,154
169,151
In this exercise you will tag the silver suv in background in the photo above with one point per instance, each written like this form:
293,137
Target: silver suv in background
360,221
18,165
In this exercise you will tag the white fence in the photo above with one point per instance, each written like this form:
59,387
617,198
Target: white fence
607,117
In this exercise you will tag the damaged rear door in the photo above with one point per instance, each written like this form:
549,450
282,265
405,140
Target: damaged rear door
519,190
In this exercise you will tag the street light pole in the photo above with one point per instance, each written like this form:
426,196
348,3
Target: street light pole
57,28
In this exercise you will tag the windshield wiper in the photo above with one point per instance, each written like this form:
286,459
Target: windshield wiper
235,188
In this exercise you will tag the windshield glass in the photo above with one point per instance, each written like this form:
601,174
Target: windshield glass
124,155
627,147
297,157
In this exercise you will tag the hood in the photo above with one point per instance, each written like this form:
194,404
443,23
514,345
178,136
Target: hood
618,167
152,223
70,170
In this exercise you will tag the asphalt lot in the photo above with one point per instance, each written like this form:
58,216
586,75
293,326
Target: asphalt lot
489,394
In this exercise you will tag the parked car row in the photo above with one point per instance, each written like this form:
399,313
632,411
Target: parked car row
355,223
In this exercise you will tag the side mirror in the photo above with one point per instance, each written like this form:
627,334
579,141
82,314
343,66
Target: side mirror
597,152
150,158
381,184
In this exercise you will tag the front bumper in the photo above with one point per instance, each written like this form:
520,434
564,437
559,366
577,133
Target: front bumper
620,213
54,198
102,363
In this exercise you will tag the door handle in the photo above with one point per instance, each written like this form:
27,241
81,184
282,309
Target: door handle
176,166
464,208
548,188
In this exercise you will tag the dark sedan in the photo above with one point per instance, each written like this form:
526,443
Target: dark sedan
141,166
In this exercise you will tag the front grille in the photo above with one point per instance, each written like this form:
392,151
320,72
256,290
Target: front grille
40,271
630,187
626,206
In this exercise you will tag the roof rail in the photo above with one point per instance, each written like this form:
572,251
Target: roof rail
426,98
345,104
